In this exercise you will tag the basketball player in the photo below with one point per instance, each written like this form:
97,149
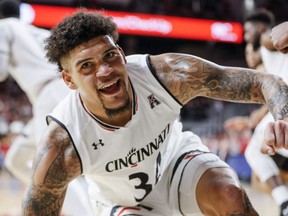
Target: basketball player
275,132
22,56
257,28
118,127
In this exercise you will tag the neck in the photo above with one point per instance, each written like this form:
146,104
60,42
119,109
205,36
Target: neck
120,119
115,118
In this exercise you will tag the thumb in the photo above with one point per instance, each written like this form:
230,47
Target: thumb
266,149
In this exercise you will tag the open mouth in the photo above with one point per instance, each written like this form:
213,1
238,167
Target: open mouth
111,88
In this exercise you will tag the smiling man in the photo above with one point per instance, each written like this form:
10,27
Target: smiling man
118,127
112,90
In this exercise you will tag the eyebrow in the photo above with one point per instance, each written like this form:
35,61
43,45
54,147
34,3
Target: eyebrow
108,50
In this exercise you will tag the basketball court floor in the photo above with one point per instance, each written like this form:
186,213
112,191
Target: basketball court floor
11,192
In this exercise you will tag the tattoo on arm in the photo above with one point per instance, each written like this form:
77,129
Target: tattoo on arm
43,201
188,76
55,166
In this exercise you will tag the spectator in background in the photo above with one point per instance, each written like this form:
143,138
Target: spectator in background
253,57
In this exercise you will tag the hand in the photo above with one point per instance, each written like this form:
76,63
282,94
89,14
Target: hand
279,37
275,137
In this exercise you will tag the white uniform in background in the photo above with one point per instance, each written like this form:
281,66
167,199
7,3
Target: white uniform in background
22,56
263,165
140,168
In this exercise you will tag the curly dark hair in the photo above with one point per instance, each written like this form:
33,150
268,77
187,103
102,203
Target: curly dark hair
261,15
76,29
10,8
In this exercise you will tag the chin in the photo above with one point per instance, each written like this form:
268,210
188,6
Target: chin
119,109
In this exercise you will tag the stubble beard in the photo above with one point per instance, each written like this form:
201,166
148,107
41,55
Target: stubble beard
116,112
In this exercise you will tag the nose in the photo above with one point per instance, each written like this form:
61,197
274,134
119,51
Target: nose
104,70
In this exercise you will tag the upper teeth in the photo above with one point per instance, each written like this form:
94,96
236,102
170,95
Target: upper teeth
108,85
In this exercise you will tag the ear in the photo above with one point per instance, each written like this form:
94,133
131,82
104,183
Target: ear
122,53
262,28
66,76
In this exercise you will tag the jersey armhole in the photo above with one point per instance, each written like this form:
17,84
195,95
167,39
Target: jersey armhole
153,71
50,118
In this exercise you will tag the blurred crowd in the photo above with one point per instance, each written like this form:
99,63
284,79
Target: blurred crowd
15,112
209,9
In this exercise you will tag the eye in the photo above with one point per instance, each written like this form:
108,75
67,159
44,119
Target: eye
110,55
86,65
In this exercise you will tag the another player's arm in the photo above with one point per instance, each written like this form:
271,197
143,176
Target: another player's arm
187,77
4,61
55,165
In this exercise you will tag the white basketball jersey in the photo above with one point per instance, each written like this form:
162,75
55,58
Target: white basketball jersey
275,62
22,55
124,164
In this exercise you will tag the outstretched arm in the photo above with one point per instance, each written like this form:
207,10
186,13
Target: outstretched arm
55,165
187,77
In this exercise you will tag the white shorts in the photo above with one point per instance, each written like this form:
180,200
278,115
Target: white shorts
175,193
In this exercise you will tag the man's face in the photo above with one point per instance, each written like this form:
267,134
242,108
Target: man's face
253,57
97,69
252,32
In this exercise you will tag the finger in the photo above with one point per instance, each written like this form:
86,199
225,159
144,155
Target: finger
285,50
279,134
285,132
268,143
266,149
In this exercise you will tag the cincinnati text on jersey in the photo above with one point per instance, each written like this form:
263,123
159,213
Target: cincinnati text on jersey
135,156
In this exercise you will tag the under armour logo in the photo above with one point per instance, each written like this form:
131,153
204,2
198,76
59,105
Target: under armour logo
153,101
95,145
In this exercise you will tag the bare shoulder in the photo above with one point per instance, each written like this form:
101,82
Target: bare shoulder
183,74
55,165
56,156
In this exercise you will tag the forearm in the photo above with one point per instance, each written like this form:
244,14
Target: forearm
276,97
55,165
251,86
42,202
